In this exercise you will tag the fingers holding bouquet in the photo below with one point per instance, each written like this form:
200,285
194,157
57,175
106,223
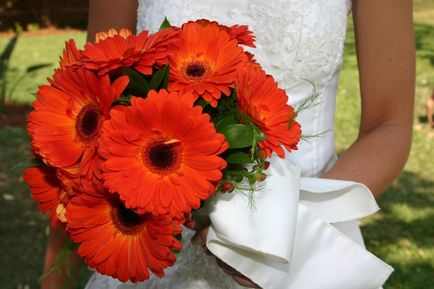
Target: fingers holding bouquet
199,239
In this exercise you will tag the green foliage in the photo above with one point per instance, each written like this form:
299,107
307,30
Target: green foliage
138,85
160,79
7,52
224,122
33,27
165,24
4,67
122,100
32,162
310,101
238,157
62,264
32,50
238,136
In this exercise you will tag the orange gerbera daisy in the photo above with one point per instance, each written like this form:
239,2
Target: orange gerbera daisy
47,189
204,61
119,242
115,49
65,124
241,33
71,55
252,61
157,45
264,103
167,148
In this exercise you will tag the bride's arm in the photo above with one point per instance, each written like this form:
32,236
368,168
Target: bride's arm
386,60
65,278
106,14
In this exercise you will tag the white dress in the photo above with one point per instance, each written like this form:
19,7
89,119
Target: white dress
297,40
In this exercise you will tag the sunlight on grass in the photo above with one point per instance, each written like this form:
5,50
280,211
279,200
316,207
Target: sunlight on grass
34,50
407,214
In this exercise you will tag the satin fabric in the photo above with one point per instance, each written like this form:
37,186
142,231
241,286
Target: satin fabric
285,240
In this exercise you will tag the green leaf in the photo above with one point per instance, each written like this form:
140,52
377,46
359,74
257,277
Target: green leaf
224,122
165,24
238,136
138,84
37,67
238,158
165,82
4,63
122,100
202,102
33,162
159,77
62,263
251,179
7,52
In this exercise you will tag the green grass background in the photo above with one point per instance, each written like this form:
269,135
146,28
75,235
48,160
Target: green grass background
402,233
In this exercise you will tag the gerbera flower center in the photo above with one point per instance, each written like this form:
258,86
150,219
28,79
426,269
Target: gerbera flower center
126,220
196,69
162,157
88,123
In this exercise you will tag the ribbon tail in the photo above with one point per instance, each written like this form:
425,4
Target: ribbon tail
322,258
336,200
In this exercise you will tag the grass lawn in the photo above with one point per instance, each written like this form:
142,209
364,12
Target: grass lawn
402,233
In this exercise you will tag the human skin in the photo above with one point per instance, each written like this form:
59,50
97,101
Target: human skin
59,280
386,61
429,110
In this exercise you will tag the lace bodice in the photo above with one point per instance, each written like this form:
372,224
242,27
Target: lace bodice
297,41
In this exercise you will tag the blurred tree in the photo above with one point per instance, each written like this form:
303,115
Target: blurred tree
45,13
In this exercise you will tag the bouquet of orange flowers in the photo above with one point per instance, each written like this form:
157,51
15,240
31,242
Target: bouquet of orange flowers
134,132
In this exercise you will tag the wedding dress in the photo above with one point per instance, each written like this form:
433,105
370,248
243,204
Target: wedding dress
298,42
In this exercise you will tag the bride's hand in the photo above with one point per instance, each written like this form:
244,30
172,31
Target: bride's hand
200,239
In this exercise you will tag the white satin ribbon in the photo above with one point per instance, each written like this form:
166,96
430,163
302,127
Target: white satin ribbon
337,201
286,242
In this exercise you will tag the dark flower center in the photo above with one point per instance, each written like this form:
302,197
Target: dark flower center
88,123
126,220
162,157
195,70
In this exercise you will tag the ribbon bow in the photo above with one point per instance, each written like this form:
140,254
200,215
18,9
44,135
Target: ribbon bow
287,242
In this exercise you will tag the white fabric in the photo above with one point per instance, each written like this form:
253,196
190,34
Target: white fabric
337,201
258,246
297,40
266,226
